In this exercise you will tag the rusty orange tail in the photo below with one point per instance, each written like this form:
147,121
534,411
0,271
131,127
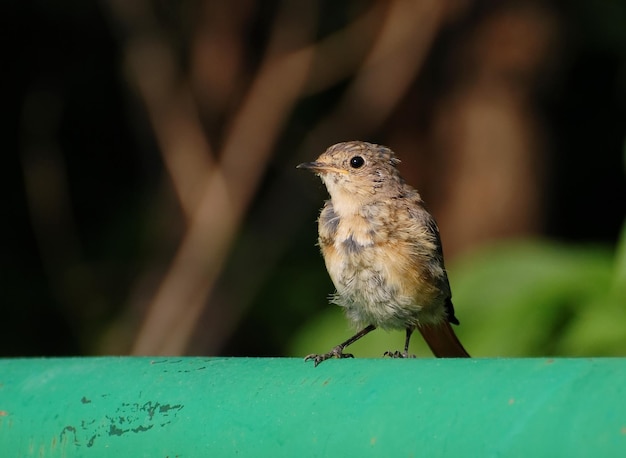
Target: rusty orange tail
442,341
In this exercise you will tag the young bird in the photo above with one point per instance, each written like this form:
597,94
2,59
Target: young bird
382,251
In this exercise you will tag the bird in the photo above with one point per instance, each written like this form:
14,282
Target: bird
382,251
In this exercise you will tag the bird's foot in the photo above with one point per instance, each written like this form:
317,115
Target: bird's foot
398,354
336,352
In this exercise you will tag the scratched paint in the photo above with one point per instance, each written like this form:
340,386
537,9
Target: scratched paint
126,418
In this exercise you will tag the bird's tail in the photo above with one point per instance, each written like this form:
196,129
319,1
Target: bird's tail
442,341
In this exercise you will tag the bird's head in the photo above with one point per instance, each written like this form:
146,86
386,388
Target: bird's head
356,171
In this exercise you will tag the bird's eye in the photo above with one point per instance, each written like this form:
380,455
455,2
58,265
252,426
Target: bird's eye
357,162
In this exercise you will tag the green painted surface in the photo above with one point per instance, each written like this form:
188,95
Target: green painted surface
201,407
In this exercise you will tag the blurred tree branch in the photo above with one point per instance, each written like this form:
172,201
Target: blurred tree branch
227,185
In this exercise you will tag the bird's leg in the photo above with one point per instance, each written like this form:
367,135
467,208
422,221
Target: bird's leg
337,352
405,353
407,339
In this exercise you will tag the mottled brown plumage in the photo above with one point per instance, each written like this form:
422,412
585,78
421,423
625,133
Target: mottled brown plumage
382,250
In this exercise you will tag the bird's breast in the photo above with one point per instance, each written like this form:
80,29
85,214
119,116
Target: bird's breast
378,277
375,280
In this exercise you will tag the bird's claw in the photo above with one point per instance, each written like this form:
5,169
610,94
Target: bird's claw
336,352
398,354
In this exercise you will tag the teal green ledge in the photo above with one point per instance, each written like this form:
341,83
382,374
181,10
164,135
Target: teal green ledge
206,407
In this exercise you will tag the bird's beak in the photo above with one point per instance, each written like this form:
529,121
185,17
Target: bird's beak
319,167
314,166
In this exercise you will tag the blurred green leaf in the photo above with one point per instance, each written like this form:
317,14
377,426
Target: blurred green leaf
619,277
516,298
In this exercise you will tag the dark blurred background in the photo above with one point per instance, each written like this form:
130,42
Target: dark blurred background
152,205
